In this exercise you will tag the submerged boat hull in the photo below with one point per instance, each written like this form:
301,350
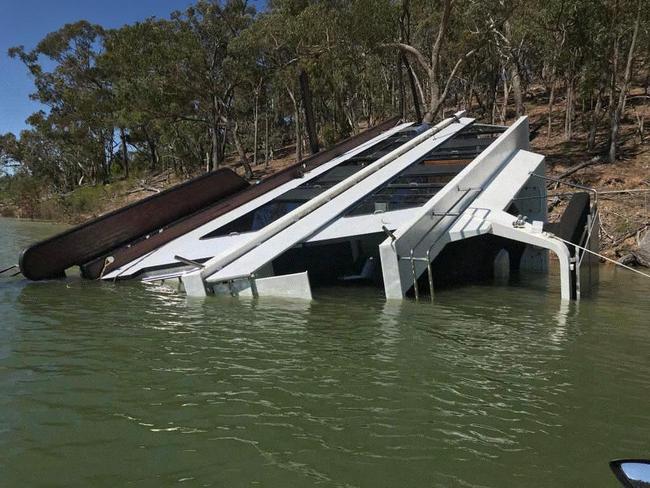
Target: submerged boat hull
50,258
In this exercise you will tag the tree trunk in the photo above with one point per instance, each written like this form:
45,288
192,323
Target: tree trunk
257,97
551,101
506,95
309,112
214,153
421,99
402,92
153,153
414,92
434,100
125,153
595,119
296,116
405,37
618,111
517,92
491,97
568,115
514,73
243,159
214,134
434,88
469,94
266,138
221,154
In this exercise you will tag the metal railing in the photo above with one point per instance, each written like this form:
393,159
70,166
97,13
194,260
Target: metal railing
585,242
6,271
427,258
572,185
577,261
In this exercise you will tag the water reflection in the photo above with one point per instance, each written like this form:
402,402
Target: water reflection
489,386
559,332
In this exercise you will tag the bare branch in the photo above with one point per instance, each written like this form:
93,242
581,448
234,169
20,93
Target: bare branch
437,45
452,75
410,50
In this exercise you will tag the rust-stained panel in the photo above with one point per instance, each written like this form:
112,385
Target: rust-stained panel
51,257
126,253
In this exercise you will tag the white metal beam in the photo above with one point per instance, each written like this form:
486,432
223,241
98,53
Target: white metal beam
191,245
308,219
435,217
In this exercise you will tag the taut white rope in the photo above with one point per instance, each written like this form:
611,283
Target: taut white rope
568,243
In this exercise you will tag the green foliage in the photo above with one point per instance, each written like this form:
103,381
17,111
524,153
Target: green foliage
219,79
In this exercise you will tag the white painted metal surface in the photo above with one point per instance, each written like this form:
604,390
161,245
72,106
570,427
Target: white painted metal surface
294,285
472,204
359,225
192,247
487,215
308,219
324,214
457,212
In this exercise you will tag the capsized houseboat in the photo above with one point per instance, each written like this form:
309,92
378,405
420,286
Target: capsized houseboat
403,206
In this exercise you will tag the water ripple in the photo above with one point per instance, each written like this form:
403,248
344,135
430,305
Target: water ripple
106,385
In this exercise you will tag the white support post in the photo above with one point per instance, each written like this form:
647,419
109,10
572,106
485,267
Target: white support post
504,228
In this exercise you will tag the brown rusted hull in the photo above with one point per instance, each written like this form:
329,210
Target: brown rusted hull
50,258
124,254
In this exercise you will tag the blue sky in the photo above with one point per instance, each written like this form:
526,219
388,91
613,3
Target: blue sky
25,22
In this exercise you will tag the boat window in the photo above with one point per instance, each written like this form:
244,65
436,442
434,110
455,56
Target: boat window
426,176
262,216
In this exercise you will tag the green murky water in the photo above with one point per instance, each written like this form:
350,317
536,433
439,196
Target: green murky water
133,385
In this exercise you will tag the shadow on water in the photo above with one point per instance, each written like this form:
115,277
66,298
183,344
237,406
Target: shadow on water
105,385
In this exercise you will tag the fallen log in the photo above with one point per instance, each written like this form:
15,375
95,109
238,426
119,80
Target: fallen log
578,167
629,234
641,255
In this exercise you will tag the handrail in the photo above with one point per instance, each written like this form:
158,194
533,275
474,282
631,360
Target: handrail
427,259
416,233
8,269
588,230
585,238
599,255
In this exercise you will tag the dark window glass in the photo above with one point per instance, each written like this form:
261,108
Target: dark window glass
292,199
418,183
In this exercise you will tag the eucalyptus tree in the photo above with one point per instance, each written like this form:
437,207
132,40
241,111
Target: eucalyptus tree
76,95
209,29
141,60
278,49
8,148
206,83
430,53
626,20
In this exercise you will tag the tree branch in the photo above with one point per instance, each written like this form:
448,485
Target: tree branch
437,45
410,50
453,74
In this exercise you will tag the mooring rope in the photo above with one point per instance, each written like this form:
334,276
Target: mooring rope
568,243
